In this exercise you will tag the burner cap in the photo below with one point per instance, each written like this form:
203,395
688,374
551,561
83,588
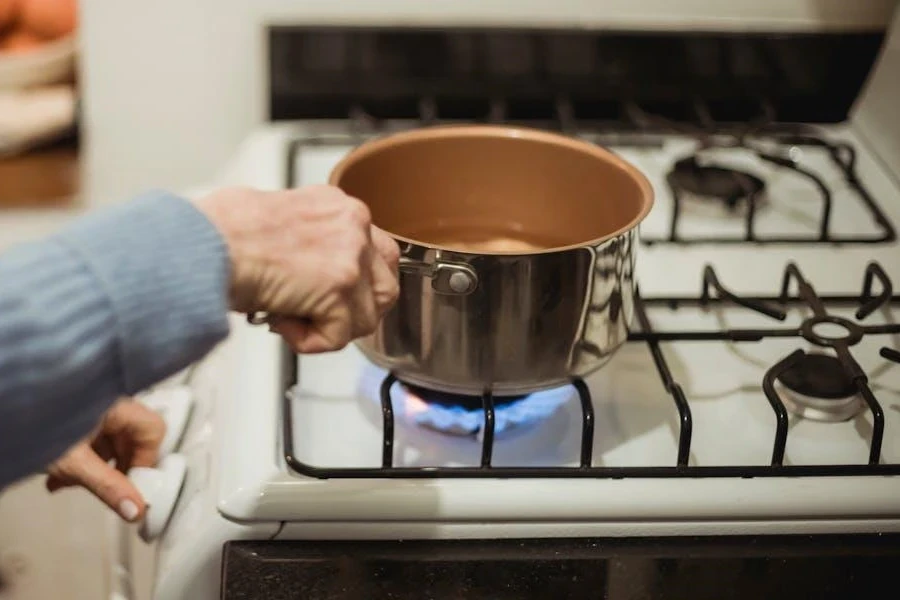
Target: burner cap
726,184
819,376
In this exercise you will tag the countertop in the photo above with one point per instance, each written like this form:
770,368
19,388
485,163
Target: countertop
684,568
40,192
49,177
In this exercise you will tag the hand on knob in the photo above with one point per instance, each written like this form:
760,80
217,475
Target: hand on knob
130,435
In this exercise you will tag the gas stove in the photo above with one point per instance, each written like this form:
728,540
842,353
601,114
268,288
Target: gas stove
758,393
783,353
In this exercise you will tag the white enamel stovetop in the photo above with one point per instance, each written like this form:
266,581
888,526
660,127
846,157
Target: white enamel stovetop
335,420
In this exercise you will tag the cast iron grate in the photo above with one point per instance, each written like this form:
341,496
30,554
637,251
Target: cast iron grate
712,293
842,155
758,137
770,142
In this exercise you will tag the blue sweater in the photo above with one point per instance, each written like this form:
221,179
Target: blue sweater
114,303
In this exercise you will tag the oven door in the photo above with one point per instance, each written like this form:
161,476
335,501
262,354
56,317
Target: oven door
772,567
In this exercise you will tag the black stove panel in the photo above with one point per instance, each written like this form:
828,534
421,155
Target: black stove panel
688,568
322,72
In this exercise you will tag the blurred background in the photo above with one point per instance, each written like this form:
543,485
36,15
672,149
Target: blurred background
49,547
38,103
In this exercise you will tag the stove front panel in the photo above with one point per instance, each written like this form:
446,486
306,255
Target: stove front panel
695,568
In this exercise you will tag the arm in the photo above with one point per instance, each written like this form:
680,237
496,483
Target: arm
128,296
112,304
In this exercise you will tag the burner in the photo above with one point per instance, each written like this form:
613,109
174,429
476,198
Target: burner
818,388
452,401
730,186
462,415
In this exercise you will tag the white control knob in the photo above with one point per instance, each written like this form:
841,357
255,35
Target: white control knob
160,487
174,405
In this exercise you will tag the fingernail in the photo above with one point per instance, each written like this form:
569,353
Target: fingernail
128,510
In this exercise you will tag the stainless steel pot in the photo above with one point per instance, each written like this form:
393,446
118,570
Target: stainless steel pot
518,252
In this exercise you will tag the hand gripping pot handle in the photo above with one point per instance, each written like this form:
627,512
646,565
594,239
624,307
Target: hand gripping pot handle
450,278
446,277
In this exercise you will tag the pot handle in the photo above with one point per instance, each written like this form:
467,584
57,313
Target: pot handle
452,278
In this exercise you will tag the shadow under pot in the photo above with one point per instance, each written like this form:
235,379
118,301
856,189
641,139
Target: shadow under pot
518,252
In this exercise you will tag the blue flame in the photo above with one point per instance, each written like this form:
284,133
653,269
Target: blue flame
517,415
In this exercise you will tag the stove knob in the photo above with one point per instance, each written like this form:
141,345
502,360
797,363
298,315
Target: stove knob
160,487
174,405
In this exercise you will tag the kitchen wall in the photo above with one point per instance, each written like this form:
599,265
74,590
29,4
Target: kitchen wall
172,87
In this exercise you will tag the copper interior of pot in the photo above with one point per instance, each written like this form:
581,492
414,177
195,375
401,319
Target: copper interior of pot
494,189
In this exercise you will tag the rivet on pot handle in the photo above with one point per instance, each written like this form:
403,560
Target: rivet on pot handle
446,277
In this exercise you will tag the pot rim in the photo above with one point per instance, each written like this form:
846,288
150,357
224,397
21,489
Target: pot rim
503,131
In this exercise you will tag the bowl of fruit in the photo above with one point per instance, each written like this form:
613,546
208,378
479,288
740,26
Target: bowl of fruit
38,42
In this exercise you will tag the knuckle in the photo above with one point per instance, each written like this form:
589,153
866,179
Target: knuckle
393,292
387,246
346,274
357,238
355,244
393,252
340,337
388,293
359,212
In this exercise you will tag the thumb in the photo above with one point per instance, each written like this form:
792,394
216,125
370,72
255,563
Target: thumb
112,487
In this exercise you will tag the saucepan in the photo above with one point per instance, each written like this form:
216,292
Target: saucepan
518,249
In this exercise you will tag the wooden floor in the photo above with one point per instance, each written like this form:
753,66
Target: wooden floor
52,546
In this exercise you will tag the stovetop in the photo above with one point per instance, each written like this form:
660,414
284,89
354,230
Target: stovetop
716,385
807,194
724,325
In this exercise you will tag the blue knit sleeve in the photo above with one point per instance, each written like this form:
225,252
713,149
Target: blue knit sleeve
115,302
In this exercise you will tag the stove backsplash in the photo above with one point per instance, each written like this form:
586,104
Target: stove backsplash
597,76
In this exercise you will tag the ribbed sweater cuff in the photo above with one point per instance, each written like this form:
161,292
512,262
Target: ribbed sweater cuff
165,269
